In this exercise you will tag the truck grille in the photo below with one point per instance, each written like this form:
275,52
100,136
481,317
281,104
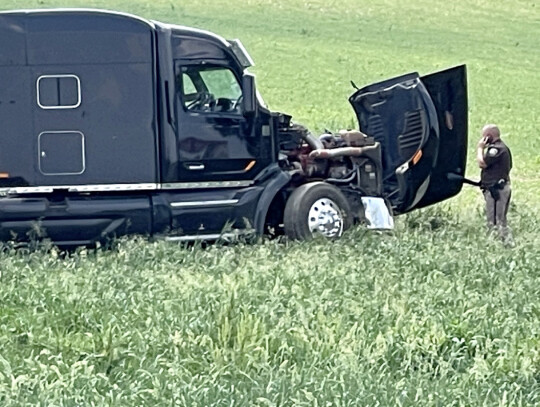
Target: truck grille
411,138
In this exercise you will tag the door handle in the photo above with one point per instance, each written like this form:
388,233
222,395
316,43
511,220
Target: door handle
194,166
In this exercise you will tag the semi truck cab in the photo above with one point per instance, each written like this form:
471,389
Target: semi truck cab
114,125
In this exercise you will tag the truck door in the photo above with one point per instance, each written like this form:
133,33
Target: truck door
421,123
220,150
216,141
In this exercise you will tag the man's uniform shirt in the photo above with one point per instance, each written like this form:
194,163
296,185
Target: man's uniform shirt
498,161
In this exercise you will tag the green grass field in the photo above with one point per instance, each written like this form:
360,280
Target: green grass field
435,313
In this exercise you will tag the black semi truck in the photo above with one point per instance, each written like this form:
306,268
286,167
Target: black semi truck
112,125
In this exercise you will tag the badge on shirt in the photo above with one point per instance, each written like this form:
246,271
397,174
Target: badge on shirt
492,152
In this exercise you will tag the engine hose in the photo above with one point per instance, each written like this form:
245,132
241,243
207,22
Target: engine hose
340,152
345,180
313,142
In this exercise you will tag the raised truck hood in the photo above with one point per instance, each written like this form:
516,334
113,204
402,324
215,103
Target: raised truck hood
421,123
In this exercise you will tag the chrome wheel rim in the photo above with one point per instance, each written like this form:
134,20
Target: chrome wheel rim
326,218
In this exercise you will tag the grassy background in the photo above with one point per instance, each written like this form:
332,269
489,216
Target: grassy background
435,313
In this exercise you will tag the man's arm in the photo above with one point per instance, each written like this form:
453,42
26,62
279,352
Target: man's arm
480,152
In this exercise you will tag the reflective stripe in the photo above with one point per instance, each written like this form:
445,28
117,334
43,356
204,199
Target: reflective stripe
206,184
193,204
79,188
124,187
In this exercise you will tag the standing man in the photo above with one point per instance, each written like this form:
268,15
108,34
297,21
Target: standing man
495,160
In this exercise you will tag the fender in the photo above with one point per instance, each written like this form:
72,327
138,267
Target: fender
280,180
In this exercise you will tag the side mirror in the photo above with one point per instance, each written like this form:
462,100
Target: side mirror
249,105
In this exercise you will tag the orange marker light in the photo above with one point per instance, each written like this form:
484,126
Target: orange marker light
416,157
249,166
4,174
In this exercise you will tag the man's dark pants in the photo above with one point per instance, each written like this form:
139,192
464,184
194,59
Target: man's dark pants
497,208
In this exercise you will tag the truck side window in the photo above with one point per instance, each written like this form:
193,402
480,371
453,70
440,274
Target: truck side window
58,91
210,89
188,88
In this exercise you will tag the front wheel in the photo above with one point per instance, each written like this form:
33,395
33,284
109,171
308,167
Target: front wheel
316,208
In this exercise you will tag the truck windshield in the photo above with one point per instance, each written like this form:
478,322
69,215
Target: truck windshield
209,89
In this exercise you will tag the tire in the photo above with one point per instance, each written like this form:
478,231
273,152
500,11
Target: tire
316,208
